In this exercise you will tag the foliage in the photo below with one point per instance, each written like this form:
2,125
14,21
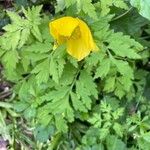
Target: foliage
143,7
99,103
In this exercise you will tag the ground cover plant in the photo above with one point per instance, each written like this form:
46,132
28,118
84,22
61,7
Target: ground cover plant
75,75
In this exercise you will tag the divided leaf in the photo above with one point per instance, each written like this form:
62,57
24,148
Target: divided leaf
103,69
56,68
10,59
42,71
87,7
86,88
106,4
124,46
113,143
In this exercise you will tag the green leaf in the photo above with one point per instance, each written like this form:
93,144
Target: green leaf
106,4
113,143
119,91
77,104
85,89
44,117
33,14
53,70
87,7
118,129
62,106
103,68
96,120
24,35
42,71
61,124
143,7
33,20
1,52
130,24
43,133
59,103
69,3
98,147
33,57
123,68
20,106
11,59
109,84
104,133
143,144
23,90
19,30
120,4
124,46
56,68
88,83
12,38
126,81
21,2
29,113
56,94
15,18
39,47
95,58
61,4
83,94
146,137
68,74
36,32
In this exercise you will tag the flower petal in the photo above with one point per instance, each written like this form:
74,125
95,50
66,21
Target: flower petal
81,47
87,36
77,48
63,27
75,33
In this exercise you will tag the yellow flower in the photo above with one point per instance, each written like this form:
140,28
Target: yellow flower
75,33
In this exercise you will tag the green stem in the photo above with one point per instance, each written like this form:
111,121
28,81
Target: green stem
76,75
120,16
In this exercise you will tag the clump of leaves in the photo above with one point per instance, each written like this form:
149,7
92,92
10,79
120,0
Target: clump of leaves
91,104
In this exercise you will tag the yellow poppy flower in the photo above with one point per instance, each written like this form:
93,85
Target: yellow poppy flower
75,33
